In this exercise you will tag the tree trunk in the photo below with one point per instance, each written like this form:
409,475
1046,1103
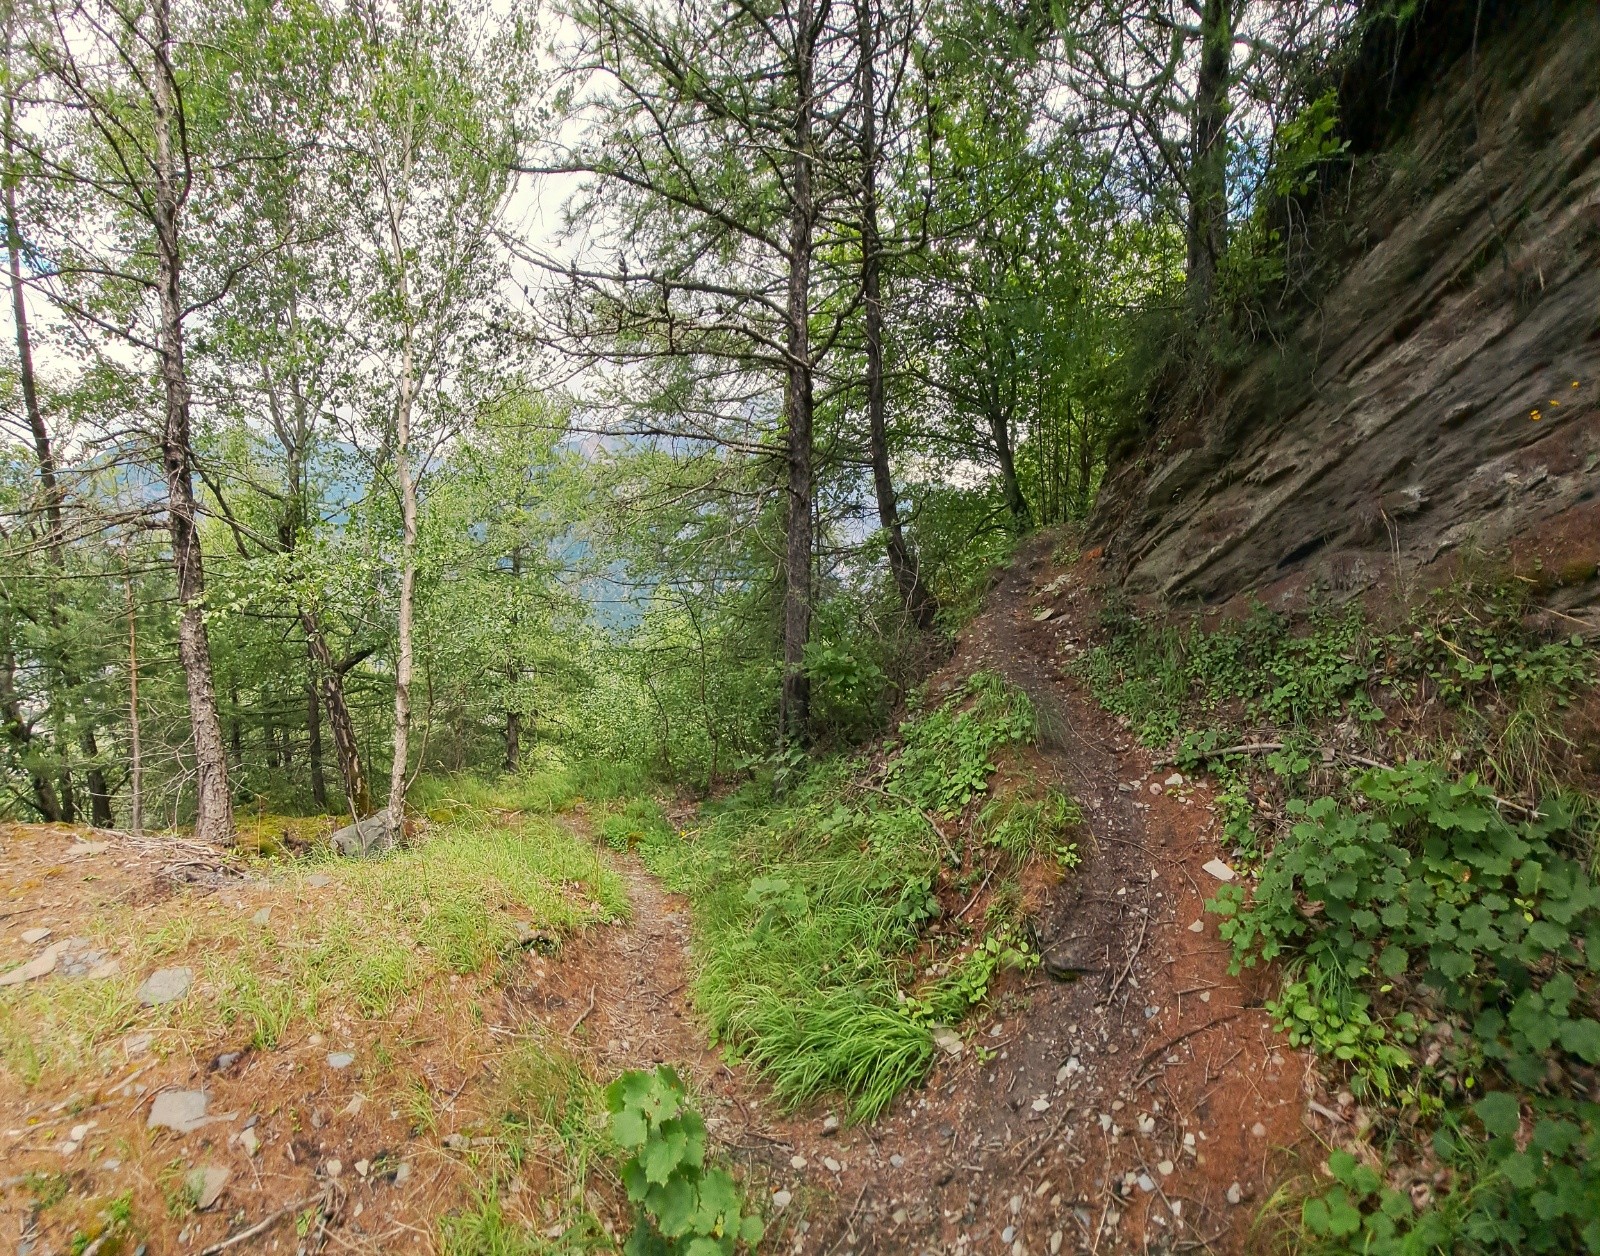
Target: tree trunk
20,733
213,805
99,794
914,596
1016,503
794,705
348,751
135,751
408,577
513,741
1208,159
49,481
319,780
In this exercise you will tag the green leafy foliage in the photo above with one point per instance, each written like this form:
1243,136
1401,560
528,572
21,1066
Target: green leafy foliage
945,757
1499,922
810,908
683,1207
637,820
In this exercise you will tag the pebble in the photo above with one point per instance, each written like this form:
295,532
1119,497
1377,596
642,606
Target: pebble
401,1173
1056,1240
781,1199
249,1142
1199,926
457,1142
361,1167
1147,1123
797,1162
1218,869
135,1045
34,936
333,1168
319,880
1175,779
1258,1130
897,1160
80,1132
1041,1105
1009,1233
1146,1183
340,1059
262,916
1165,1168
205,1185
831,1165
830,1124
165,985
1235,1194
898,1216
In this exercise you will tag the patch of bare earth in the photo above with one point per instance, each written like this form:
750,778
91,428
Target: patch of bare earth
1145,1106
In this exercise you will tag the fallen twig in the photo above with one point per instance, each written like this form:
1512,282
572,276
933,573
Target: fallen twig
1144,923
583,1015
1188,1033
269,1220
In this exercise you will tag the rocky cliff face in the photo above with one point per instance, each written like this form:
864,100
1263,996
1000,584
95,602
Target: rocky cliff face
1445,394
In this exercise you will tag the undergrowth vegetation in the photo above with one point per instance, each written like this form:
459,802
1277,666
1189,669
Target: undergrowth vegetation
831,939
470,892
1412,809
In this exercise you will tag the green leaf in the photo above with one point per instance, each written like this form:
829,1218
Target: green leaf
1392,962
629,1128
1500,1113
1582,1038
663,1154
674,1205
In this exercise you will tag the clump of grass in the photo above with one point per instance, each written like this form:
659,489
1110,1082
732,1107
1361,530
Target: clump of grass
637,821
452,903
810,910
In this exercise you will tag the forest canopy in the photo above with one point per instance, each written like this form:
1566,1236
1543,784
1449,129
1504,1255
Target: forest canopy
440,386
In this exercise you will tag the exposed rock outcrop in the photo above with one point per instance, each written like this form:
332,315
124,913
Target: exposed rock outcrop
1446,391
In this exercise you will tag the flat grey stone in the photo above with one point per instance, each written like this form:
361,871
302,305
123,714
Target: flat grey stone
340,1059
205,1184
32,936
180,1110
166,985
41,965
319,880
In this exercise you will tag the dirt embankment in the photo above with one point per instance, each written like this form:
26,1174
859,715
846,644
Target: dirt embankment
1145,1105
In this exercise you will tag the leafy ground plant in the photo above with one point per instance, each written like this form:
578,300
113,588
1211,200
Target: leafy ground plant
811,910
683,1206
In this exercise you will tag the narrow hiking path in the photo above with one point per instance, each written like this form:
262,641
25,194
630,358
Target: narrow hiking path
1146,1105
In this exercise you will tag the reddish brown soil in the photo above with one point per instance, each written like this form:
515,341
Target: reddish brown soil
1154,1059
1161,1042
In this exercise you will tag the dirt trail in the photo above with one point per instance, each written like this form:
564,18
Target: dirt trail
1146,1106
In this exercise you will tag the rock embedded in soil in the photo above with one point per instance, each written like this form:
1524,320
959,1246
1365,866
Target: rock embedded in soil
180,1110
1218,869
338,1060
365,838
41,965
205,1184
34,936
165,985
